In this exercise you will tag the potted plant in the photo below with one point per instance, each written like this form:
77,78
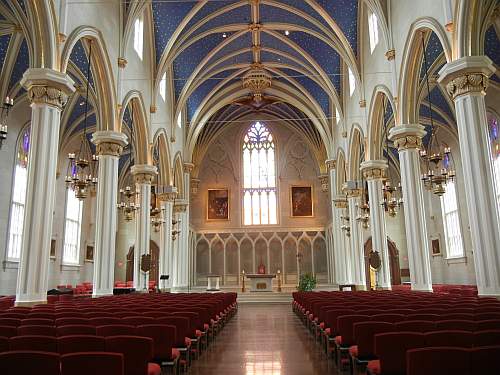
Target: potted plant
307,283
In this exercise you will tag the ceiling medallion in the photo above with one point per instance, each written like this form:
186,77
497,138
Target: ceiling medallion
257,80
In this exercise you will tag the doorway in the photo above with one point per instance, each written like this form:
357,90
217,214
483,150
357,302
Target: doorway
154,250
394,268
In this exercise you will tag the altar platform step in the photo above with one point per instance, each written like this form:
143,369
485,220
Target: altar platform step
265,297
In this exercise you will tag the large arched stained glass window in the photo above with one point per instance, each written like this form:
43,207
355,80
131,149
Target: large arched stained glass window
16,222
495,150
259,176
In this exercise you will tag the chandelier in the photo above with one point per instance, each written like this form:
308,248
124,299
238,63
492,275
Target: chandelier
391,193
257,80
4,115
155,212
363,210
127,203
345,227
81,174
436,157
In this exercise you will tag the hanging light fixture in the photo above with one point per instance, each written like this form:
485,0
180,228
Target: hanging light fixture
392,198
4,116
155,212
345,224
363,207
437,157
81,174
127,196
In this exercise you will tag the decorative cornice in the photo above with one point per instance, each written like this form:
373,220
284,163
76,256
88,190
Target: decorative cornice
390,54
144,173
188,167
331,164
324,179
407,136
122,62
374,169
109,142
468,83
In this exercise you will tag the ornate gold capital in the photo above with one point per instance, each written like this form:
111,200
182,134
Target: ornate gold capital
407,137
152,109
331,164
43,94
353,193
408,142
390,55
109,148
144,173
167,197
374,169
188,167
340,202
374,173
195,184
362,103
324,179
467,83
180,207
122,62
143,178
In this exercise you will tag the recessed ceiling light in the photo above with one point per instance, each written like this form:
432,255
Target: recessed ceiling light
287,32
224,35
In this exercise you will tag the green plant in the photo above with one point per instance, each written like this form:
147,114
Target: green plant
307,283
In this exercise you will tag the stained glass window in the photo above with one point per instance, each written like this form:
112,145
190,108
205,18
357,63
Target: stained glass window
451,222
16,223
495,150
72,228
259,177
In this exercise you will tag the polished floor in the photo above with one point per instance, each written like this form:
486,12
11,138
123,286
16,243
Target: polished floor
263,340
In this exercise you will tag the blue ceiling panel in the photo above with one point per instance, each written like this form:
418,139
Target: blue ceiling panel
270,14
80,59
434,50
22,64
326,56
269,41
91,122
23,5
492,45
316,91
167,16
388,115
440,101
242,42
268,57
345,15
127,118
209,8
203,90
242,58
4,46
425,112
78,110
123,161
240,15
188,60
306,8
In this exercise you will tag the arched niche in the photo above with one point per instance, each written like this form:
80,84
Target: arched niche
290,250
275,256
231,262
320,259
202,262
217,257
261,254
246,256
305,256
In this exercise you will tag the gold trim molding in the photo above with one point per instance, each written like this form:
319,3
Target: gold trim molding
467,83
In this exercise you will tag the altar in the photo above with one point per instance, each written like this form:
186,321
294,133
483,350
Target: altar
213,283
261,282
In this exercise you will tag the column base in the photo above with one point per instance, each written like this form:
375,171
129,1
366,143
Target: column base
384,287
488,292
179,289
30,303
421,288
102,293
360,287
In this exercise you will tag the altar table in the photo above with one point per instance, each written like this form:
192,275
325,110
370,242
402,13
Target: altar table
261,282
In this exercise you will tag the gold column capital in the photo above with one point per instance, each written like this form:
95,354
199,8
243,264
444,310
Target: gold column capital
188,167
47,86
143,173
374,169
340,201
407,136
109,142
331,164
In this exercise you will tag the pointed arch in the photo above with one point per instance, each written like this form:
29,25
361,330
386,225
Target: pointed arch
341,171
376,124
101,70
356,141
179,176
165,171
41,34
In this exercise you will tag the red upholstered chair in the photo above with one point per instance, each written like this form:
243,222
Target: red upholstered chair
487,338
37,321
420,316
415,326
457,316
116,330
487,316
487,324
101,363
388,318
98,314
137,320
4,344
461,325
80,343
41,315
13,315
71,321
450,338
75,329
484,360
103,321
364,334
390,349
11,322
438,361
27,362
163,338
137,352
8,331
36,330
34,342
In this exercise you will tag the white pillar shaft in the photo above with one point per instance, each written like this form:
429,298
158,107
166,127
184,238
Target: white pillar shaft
106,224
333,267
32,280
416,229
166,244
181,265
481,200
379,231
142,235
357,253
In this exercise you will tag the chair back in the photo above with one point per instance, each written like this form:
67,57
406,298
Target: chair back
80,343
101,363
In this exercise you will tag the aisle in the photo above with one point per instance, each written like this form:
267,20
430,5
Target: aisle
263,340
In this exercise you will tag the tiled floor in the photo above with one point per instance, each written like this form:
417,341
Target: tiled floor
263,340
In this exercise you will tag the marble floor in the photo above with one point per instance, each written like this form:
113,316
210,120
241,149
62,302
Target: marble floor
263,340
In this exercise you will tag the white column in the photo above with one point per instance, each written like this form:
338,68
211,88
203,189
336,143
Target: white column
167,204
374,172
109,147
332,262
343,261
466,81
181,247
408,139
143,175
356,240
47,91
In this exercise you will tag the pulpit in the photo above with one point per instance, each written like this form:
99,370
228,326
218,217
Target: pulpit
213,283
261,282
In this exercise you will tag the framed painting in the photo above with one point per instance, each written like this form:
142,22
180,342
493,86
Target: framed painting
301,201
89,253
52,249
218,204
435,246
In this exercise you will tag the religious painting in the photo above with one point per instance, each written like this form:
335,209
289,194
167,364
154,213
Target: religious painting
52,249
89,253
301,201
435,247
218,204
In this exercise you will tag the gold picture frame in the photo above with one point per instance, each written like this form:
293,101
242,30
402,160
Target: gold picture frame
218,204
53,244
89,253
301,201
